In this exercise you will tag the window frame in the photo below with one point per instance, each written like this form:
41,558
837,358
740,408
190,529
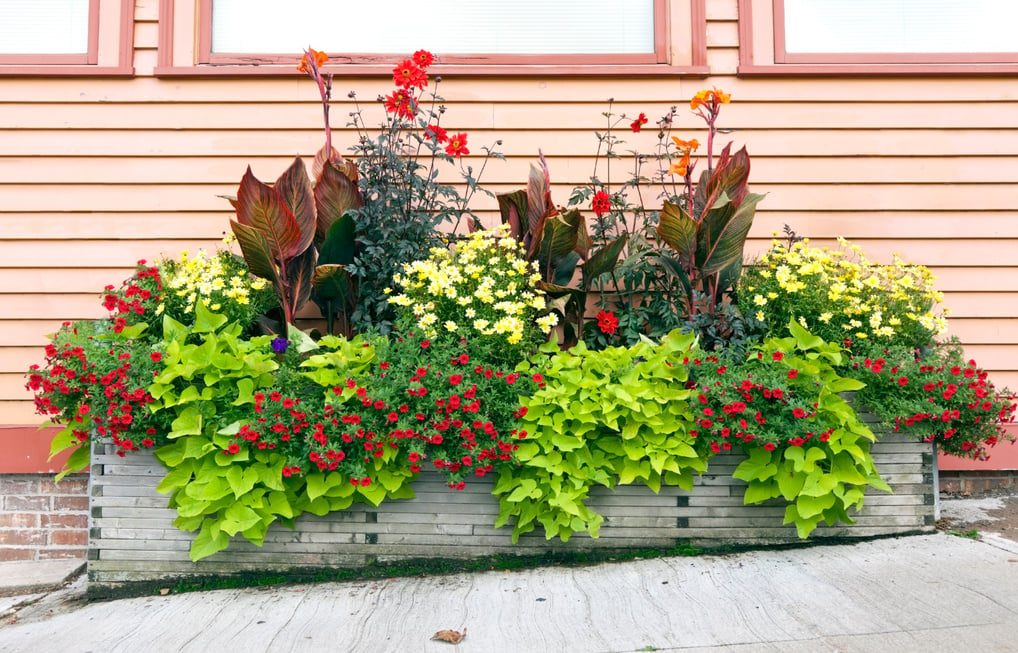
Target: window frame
109,54
762,52
185,43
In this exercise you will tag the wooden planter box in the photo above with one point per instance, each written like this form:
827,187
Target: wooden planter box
132,538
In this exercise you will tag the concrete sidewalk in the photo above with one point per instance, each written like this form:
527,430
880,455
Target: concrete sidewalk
922,593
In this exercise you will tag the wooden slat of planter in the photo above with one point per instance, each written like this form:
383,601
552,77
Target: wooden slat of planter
133,538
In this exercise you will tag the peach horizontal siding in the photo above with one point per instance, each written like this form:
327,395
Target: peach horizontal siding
95,174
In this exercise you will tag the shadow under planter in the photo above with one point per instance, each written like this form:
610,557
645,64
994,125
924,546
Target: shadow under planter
132,538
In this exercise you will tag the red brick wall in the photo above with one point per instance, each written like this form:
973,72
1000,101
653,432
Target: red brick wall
41,519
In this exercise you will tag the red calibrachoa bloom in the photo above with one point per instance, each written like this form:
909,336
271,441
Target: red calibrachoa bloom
97,371
938,397
456,417
756,404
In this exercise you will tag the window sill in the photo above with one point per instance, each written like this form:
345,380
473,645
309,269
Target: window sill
65,71
877,70
518,70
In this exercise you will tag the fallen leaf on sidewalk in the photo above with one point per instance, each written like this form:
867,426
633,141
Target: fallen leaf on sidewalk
164,591
451,636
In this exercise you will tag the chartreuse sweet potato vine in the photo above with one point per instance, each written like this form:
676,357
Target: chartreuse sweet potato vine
219,487
656,413
603,417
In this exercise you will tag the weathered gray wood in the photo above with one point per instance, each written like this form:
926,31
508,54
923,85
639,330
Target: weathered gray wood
133,538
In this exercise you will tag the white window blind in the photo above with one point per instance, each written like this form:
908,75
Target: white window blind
900,26
442,26
44,26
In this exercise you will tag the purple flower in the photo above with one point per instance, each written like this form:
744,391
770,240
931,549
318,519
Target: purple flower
279,345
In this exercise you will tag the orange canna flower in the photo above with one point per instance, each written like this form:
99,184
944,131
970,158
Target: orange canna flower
680,168
319,58
709,96
686,146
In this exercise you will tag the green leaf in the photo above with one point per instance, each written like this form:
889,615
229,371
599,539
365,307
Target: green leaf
603,260
319,484
374,493
175,479
524,491
279,504
241,480
790,484
804,340
239,517
205,321
758,465
333,283
210,540
188,422
759,491
844,384
174,330
808,506
554,238
339,247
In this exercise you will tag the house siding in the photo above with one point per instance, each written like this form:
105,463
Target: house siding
98,173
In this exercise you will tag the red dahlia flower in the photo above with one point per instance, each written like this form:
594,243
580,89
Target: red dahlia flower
457,146
607,322
436,133
409,75
601,203
402,104
424,59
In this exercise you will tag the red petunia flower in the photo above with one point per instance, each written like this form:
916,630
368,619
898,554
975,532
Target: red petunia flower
639,122
607,322
601,203
457,146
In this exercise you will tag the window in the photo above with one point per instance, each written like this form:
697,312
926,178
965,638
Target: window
481,29
66,37
47,30
874,36
469,36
